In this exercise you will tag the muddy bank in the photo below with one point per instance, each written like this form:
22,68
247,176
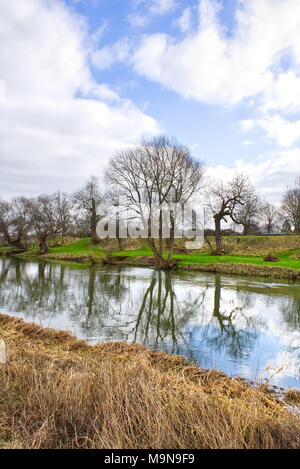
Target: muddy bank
245,269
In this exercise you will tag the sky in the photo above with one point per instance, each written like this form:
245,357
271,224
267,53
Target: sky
81,79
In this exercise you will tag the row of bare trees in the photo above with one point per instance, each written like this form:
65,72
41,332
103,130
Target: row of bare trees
158,172
47,216
238,202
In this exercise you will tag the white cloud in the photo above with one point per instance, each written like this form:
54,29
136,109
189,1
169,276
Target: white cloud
161,6
145,10
282,131
108,55
57,125
284,94
247,125
137,21
99,33
270,176
214,68
184,21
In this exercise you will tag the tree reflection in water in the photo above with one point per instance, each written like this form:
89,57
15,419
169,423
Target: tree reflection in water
196,315
233,329
161,318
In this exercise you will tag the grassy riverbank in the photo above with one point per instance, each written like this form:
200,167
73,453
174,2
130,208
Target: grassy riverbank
5,249
245,258
57,392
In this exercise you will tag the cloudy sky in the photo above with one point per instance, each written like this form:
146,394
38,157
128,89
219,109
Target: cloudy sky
82,78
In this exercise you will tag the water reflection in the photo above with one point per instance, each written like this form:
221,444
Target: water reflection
232,329
236,324
161,316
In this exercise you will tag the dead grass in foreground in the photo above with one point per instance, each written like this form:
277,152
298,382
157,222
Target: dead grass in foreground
57,392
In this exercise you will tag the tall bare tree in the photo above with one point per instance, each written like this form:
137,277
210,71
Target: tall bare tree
291,205
247,213
269,216
14,221
286,227
44,218
64,212
87,199
226,201
155,173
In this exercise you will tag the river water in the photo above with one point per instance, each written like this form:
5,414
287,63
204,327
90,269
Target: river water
243,326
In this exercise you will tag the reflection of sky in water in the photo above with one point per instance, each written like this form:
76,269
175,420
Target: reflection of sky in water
238,325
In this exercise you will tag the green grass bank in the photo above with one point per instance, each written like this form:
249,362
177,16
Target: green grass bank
246,256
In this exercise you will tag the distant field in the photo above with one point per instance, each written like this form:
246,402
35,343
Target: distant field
261,245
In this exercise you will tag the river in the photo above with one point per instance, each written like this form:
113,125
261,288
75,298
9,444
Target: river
243,326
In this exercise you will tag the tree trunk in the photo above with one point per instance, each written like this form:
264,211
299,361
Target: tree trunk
245,230
161,263
160,234
17,243
6,235
94,221
43,246
171,240
218,235
120,244
120,240
164,264
171,249
208,241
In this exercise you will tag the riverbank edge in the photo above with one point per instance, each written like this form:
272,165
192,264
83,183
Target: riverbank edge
251,270
32,348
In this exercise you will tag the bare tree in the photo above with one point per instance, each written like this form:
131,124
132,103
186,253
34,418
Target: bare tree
14,221
64,213
87,199
225,201
44,218
112,198
155,173
269,216
6,221
286,227
247,213
291,205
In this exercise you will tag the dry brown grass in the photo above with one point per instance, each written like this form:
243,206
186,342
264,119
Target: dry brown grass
293,396
56,392
261,245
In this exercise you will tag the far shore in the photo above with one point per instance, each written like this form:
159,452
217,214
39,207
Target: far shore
245,258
